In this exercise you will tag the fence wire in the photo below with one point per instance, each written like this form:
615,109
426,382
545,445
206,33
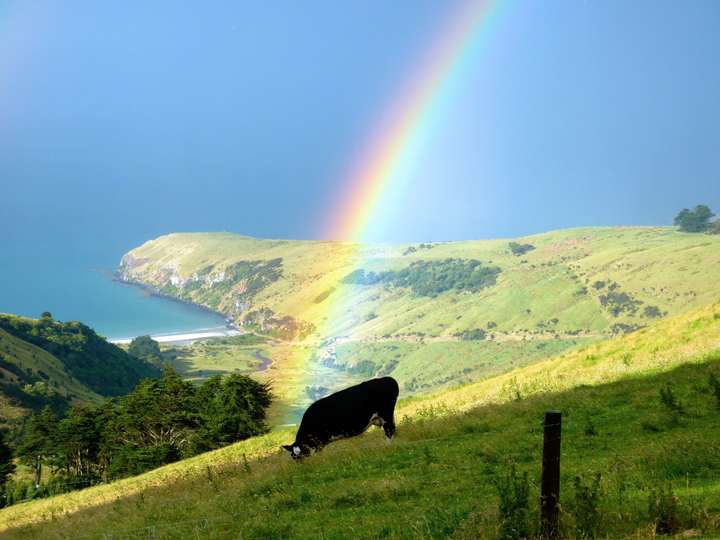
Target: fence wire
203,523
104,480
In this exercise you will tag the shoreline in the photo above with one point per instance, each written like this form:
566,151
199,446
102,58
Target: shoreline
185,338
114,276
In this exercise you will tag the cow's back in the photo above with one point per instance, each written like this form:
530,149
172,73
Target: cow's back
349,411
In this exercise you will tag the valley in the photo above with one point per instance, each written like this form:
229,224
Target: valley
616,327
432,315
643,465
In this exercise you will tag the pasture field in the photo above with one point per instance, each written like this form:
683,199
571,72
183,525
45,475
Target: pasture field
574,280
640,458
200,361
574,287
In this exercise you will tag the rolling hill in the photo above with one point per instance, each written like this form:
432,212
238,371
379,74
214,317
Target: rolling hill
46,362
432,314
639,459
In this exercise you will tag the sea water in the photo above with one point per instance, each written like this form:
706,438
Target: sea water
35,278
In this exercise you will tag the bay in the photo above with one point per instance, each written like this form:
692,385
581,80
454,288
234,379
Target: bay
37,277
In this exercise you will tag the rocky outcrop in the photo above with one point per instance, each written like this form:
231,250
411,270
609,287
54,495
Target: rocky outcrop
277,325
129,263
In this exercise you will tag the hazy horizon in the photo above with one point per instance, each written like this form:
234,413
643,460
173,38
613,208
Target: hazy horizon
120,123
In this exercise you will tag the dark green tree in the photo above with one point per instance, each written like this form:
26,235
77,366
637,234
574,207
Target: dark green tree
38,446
79,440
697,220
714,227
144,346
7,467
233,409
153,425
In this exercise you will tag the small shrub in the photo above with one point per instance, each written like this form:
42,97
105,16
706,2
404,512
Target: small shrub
715,387
662,510
587,505
589,429
514,492
429,456
668,399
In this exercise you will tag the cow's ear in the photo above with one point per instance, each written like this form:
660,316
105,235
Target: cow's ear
288,447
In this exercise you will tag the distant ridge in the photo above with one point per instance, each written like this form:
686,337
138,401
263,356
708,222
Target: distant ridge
414,313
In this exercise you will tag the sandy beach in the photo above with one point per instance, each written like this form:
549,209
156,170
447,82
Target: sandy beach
187,338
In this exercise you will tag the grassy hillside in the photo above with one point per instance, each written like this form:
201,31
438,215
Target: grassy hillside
573,281
362,309
640,457
25,365
46,362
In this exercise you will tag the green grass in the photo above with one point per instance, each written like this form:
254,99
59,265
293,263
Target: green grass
659,468
200,361
429,366
34,360
557,293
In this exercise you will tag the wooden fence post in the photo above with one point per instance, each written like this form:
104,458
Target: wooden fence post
550,486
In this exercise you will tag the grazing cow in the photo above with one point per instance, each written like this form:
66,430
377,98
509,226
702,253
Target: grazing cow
347,413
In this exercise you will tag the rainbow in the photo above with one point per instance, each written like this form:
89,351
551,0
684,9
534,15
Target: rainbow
376,175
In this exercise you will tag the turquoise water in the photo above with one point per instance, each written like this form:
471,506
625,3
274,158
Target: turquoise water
127,312
36,278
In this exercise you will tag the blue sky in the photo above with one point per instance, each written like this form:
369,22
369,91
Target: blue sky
123,121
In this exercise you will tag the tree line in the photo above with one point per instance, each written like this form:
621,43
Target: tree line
101,366
162,421
430,278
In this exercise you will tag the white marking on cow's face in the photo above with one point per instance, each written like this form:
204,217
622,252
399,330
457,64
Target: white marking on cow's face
296,450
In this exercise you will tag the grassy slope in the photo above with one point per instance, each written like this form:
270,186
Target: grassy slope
536,306
440,479
28,356
561,264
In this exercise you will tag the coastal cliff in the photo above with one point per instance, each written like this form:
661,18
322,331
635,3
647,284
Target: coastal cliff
590,282
228,290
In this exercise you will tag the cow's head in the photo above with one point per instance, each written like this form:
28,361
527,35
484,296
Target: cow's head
297,451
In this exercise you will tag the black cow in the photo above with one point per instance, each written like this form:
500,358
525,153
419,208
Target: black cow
347,413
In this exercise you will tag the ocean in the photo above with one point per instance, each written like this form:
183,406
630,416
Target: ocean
62,277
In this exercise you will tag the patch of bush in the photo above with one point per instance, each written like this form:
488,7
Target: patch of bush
514,492
316,392
364,368
476,334
619,302
587,505
520,249
430,278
